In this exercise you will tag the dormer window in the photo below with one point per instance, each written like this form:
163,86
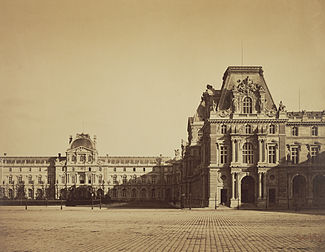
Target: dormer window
247,105
314,131
248,129
272,129
223,129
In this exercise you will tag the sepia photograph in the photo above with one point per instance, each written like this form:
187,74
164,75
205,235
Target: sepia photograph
162,125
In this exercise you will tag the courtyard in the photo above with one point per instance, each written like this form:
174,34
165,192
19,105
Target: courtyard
41,228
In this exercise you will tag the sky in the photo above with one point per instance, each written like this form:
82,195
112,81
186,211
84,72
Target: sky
132,71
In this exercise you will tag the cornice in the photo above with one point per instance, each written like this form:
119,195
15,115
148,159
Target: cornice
305,123
247,120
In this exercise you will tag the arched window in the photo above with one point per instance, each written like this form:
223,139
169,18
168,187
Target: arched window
124,179
248,153
294,131
272,129
114,193
314,131
223,129
30,179
134,193
124,193
248,129
247,105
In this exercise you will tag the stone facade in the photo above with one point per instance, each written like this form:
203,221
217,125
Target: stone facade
243,150
121,178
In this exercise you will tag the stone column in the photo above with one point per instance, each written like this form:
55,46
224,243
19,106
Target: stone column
233,185
260,151
233,150
217,153
264,185
238,188
260,185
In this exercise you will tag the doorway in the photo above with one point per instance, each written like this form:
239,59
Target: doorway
223,196
271,196
248,190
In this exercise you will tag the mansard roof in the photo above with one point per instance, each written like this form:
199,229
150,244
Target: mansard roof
237,75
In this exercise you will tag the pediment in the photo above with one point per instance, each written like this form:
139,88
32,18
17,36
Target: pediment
241,82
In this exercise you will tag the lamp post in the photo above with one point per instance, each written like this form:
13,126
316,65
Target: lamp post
92,200
61,199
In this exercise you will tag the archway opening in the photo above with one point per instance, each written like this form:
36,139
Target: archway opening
39,194
143,193
299,187
248,190
319,190
134,193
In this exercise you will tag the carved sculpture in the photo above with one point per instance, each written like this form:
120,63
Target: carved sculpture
281,107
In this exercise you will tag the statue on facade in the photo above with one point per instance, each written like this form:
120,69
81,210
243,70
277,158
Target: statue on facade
281,107
214,105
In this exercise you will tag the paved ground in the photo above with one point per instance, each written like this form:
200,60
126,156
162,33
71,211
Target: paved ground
82,229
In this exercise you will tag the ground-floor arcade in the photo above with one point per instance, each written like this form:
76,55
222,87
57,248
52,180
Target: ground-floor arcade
266,188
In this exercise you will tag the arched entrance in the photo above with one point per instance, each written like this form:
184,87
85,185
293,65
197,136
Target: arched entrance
299,189
39,194
168,195
10,194
143,193
248,190
134,193
100,193
319,190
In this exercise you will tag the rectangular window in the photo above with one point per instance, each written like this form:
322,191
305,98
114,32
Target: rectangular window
313,154
294,155
153,179
115,179
114,169
223,154
10,179
134,169
314,131
39,180
272,154
144,169
124,168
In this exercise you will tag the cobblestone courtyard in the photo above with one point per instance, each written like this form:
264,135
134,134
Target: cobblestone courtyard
83,229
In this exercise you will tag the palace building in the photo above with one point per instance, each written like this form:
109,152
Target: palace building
242,151
121,178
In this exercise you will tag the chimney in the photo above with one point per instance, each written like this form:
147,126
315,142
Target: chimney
70,139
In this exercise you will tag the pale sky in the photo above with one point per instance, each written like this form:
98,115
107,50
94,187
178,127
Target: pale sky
133,71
